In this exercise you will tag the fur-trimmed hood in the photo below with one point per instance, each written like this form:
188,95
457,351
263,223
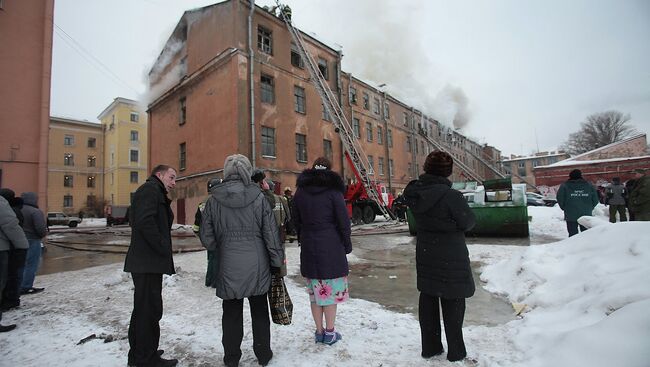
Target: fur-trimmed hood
315,180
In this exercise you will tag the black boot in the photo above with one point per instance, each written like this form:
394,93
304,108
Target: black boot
5,328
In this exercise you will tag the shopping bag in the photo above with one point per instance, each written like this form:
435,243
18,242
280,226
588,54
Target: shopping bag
279,301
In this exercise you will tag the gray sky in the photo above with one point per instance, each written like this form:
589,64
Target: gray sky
524,74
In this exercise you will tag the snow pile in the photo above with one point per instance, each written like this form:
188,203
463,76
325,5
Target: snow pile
589,297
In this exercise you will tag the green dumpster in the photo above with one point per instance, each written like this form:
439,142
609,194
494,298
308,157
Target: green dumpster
499,207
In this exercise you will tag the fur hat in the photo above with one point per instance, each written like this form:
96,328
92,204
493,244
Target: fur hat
322,163
238,166
258,175
439,163
575,174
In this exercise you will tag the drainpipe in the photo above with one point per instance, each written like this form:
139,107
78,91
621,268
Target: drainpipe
251,80
44,115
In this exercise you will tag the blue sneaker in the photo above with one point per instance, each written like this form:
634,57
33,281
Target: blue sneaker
318,337
331,337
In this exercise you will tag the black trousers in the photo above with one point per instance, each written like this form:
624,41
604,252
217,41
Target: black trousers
144,329
4,270
11,293
572,228
453,313
232,323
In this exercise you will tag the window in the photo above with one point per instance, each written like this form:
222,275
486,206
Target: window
353,95
380,166
91,200
327,149
390,168
182,119
296,60
386,111
134,135
68,140
380,135
91,181
535,162
268,141
369,131
92,161
135,117
371,165
406,119
410,168
68,181
422,147
366,101
408,143
182,156
356,127
375,105
521,169
183,67
68,159
92,142
301,148
326,114
67,201
264,40
134,155
299,99
266,89
389,137
322,67
134,177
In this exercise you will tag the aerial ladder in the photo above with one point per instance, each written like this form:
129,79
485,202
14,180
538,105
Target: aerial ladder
468,171
353,150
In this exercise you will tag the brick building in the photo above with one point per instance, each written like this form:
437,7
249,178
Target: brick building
598,166
521,167
217,92
25,67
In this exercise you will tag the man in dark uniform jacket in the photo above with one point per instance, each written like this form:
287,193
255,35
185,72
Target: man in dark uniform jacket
148,258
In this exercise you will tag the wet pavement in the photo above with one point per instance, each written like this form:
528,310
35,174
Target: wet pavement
385,272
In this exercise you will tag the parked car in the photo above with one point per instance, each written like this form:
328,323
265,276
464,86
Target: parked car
117,215
62,219
536,199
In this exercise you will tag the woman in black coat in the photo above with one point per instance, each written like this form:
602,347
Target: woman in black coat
323,226
444,275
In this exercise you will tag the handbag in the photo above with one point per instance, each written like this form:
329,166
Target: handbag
279,301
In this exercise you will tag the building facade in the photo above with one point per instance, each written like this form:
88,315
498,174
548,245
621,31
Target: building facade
75,167
218,91
598,166
521,168
25,68
125,154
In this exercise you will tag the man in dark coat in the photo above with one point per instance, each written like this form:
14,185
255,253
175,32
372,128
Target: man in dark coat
616,199
577,198
444,275
35,227
640,196
148,258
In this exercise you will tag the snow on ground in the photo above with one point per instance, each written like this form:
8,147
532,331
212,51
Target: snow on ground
587,300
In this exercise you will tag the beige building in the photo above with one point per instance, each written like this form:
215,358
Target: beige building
124,124
521,167
75,167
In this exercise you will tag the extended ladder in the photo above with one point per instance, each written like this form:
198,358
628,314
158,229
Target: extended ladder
468,171
350,143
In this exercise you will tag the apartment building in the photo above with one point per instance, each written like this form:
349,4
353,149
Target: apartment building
214,97
25,67
521,168
125,154
75,167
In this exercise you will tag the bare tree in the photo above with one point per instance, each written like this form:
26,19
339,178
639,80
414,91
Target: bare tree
598,130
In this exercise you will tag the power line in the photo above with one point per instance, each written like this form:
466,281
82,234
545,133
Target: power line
92,60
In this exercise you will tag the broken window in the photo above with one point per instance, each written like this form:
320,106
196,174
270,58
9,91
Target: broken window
264,40
322,67
296,60
353,95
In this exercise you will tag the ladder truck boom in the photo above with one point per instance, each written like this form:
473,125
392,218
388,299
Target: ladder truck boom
354,152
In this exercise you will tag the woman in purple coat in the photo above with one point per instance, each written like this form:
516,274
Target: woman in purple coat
323,228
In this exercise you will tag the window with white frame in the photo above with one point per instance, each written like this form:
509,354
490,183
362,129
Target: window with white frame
68,140
265,40
134,155
380,165
371,165
135,117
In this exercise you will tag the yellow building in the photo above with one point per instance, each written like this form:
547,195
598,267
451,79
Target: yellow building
75,166
125,150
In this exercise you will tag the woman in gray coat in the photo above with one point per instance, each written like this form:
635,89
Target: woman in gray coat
238,224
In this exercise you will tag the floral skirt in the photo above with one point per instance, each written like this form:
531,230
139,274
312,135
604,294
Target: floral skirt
325,292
